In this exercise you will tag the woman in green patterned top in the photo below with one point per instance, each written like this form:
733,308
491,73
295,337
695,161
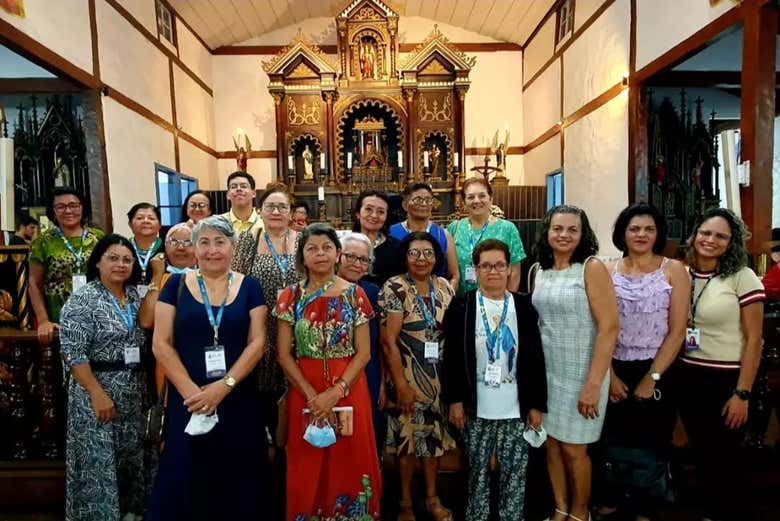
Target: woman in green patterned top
58,259
478,226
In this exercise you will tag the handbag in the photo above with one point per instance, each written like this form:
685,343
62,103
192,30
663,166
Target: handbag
638,472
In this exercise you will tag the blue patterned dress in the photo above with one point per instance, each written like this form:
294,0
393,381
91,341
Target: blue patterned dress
104,461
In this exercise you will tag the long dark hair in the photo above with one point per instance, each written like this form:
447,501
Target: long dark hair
93,272
736,255
67,190
359,204
628,213
184,217
589,244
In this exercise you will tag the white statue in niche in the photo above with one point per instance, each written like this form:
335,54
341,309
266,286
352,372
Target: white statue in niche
308,167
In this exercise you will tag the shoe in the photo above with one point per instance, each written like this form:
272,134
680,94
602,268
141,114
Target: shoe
558,511
575,518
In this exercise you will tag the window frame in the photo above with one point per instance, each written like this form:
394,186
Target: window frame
568,6
162,7
554,181
177,177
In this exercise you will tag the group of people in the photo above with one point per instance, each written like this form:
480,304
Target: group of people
291,357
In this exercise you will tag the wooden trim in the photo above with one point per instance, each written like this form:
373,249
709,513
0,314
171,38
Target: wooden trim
137,108
632,39
633,109
187,25
566,44
157,43
270,50
709,34
563,133
470,47
37,86
94,39
194,141
254,154
482,151
29,47
174,117
552,10
548,134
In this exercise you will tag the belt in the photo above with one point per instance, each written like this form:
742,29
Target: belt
108,366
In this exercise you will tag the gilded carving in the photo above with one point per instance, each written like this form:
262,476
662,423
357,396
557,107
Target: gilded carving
367,13
309,113
434,68
434,112
302,71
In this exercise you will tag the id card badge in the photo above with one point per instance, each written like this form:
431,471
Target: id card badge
215,361
692,339
431,351
471,273
78,281
132,356
142,289
493,375
278,294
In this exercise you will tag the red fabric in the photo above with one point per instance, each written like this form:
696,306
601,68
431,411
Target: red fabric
772,282
316,477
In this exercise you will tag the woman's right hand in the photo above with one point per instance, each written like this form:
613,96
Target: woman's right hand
406,397
46,331
457,416
102,405
158,265
618,390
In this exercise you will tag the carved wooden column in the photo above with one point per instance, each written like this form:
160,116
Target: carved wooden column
460,112
329,97
411,124
280,149
50,427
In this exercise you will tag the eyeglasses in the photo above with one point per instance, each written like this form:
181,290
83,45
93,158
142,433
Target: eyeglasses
113,258
199,206
708,234
352,259
184,243
280,207
486,267
239,186
421,201
427,253
70,206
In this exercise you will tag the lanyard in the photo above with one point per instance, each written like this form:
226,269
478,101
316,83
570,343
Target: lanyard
144,262
79,256
305,300
215,322
428,314
405,226
695,303
472,242
282,260
128,317
491,338
174,270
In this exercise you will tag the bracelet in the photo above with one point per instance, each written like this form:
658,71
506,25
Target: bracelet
344,387
152,287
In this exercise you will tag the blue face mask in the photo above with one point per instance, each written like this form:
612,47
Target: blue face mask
320,436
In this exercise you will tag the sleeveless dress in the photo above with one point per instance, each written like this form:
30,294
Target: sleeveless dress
568,333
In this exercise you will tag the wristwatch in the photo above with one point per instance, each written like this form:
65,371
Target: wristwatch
742,394
656,376
229,381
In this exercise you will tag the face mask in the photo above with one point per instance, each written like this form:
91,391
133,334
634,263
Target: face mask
201,423
320,436
535,438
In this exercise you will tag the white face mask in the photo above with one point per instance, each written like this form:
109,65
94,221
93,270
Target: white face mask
201,423
535,438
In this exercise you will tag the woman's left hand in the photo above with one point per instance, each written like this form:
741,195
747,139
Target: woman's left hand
206,400
322,404
534,419
736,412
588,403
644,390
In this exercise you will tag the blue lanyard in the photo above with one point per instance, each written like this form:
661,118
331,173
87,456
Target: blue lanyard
174,270
283,261
491,338
429,315
145,261
473,243
79,256
215,322
305,300
128,315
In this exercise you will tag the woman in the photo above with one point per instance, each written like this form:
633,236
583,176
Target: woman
326,318
652,295
414,306
717,372
58,258
197,205
478,226
102,346
493,379
371,220
355,261
209,334
144,222
418,203
578,320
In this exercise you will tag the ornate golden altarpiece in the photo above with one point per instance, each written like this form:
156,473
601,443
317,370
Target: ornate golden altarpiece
368,117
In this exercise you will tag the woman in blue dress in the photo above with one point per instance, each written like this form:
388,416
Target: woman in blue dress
209,336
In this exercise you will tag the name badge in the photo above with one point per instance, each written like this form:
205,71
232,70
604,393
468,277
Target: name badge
431,351
279,294
215,361
471,274
132,355
493,375
692,339
143,289
79,281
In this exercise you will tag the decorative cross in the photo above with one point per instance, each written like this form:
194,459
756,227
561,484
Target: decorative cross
486,170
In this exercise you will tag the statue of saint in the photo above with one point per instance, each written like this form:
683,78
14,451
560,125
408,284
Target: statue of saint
435,154
308,168
242,153
367,60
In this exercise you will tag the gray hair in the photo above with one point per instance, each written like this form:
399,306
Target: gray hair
359,238
217,223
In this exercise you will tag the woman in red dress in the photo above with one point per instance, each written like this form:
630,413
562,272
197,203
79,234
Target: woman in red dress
324,345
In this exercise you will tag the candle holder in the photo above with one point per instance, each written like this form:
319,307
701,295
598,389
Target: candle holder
291,179
323,211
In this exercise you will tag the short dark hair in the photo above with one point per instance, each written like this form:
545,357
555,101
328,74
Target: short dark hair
299,204
736,255
27,220
403,248
359,204
67,190
410,189
589,244
100,249
308,232
274,188
639,209
475,180
184,217
239,173
142,206
490,245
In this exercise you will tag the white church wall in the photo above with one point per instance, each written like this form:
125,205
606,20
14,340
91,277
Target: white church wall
539,50
541,160
201,165
262,169
542,103
583,10
193,54
145,12
194,108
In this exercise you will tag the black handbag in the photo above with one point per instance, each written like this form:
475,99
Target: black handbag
638,472
155,419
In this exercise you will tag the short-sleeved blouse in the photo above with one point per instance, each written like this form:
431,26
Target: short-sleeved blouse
387,261
326,327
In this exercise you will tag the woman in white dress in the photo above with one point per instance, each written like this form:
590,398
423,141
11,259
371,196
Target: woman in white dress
578,320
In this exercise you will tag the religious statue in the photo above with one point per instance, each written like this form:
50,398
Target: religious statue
367,59
61,172
435,155
308,160
242,153
500,150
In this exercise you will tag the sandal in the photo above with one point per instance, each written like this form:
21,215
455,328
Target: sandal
437,510
405,512
558,511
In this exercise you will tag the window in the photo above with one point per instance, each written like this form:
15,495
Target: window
554,189
172,188
564,21
164,22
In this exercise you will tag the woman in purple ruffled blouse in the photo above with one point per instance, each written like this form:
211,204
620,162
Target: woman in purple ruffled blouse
653,295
